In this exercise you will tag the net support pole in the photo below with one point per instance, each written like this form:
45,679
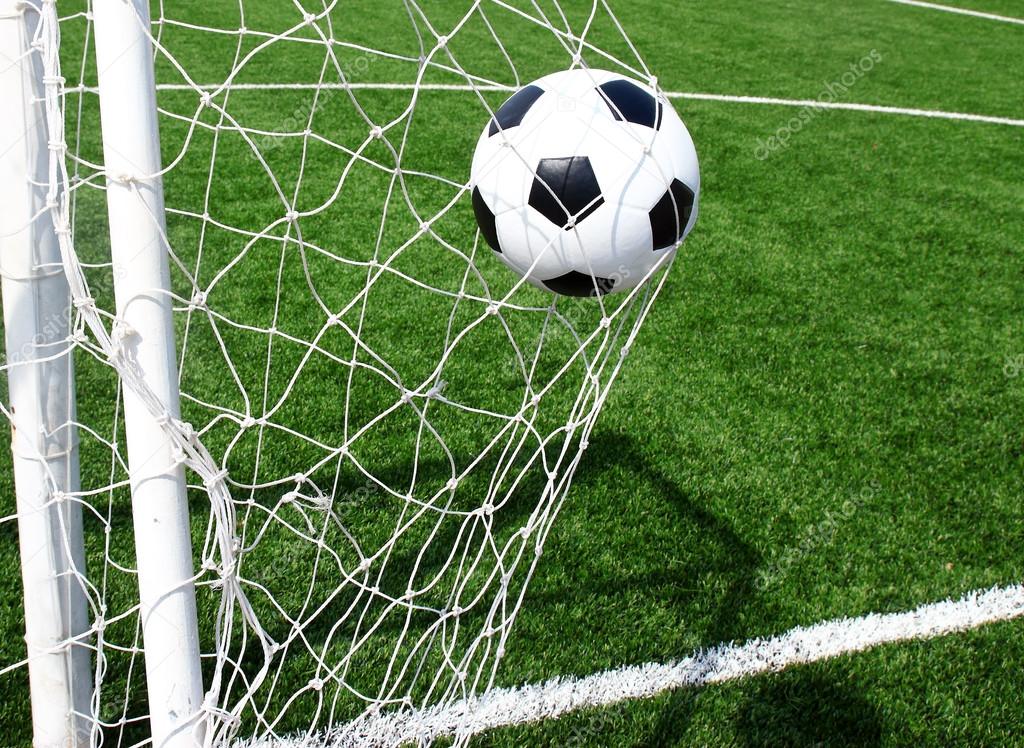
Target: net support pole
144,329
40,371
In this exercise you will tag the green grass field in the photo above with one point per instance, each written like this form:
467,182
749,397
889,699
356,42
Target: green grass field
841,329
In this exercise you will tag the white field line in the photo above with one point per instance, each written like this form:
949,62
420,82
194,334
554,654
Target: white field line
530,703
961,11
849,106
812,103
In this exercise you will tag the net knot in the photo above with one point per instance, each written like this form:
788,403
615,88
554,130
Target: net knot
309,18
205,99
376,132
606,322
214,479
187,431
452,484
322,501
292,215
198,300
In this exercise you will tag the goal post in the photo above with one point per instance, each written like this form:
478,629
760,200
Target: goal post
144,335
41,408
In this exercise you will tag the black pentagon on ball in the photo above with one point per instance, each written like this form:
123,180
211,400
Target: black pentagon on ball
485,220
631,103
580,284
511,113
568,182
671,214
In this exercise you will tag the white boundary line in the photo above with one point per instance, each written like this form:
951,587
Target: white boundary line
812,103
961,11
725,662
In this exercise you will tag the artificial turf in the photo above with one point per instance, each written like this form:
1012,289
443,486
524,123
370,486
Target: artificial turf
836,332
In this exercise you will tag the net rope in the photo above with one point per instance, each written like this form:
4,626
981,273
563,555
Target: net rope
379,422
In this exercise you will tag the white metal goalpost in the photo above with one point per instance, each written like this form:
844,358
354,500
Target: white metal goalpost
139,252
40,370
336,577
37,307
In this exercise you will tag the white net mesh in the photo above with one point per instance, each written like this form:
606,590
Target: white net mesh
384,420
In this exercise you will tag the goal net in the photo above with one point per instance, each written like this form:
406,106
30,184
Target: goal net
379,423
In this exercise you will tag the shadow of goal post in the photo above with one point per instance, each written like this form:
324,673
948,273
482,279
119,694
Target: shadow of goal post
34,288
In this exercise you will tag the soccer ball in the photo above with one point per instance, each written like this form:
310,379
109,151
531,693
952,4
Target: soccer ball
584,181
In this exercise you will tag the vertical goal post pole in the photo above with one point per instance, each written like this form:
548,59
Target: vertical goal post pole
139,253
40,373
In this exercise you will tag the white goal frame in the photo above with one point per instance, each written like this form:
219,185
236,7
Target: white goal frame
36,302
37,309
